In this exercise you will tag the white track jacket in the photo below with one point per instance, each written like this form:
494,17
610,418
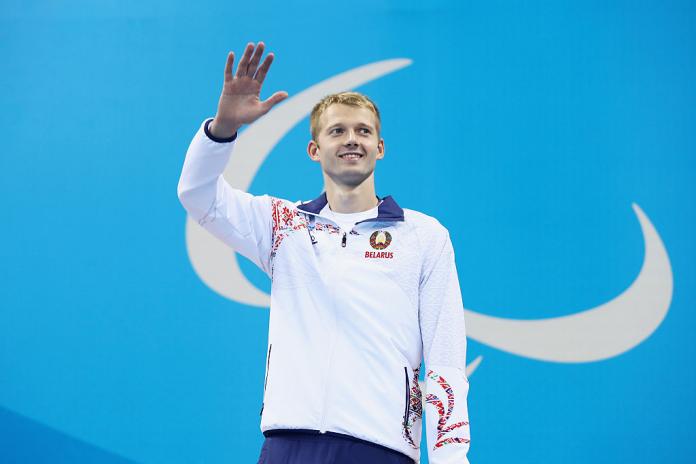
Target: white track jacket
353,312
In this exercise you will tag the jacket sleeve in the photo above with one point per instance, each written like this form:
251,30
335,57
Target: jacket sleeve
241,220
441,317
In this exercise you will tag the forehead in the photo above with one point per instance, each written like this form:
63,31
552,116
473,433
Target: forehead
348,115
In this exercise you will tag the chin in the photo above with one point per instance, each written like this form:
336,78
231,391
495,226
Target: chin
352,179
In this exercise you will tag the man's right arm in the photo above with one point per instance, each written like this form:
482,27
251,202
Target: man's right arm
239,219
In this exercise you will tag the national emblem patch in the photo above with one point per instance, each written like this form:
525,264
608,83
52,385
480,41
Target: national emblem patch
380,239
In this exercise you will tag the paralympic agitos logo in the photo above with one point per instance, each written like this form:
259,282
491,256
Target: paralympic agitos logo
607,330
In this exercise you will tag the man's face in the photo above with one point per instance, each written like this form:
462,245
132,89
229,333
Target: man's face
347,144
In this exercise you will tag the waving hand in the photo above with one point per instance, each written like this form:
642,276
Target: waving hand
240,101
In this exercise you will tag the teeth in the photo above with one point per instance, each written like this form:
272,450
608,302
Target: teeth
351,155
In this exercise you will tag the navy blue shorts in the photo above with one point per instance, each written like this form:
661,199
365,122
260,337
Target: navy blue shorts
311,447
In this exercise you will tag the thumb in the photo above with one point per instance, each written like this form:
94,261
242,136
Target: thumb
274,99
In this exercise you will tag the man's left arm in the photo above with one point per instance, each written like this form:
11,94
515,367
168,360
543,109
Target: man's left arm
441,317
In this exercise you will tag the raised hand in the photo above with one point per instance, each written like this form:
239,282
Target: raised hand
240,103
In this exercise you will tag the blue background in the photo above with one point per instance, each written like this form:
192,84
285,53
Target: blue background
526,128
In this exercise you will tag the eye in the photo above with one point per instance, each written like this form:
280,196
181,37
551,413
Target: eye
336,130
364,130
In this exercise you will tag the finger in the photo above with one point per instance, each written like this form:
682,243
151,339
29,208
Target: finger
229,65
255,58
263,69
244,62
274,99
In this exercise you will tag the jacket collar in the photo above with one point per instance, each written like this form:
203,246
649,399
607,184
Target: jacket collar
387,210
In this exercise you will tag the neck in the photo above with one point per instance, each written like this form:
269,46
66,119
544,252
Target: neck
351,199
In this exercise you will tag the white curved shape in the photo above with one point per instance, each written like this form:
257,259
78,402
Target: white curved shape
215,263
473,365
595,334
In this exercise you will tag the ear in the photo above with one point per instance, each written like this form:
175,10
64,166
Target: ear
380,149
313,150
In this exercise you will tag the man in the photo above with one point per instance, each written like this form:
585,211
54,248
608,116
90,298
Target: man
361,290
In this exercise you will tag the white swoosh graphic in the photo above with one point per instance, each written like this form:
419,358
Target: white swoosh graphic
598,333
473,365
215,263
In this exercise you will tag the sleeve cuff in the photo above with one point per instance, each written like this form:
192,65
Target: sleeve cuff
217,139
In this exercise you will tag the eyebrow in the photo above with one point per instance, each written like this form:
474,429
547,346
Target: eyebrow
360,124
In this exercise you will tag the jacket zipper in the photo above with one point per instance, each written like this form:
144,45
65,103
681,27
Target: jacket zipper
327,385
325,402
265,382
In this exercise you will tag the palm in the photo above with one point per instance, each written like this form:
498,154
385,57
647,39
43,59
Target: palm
240,101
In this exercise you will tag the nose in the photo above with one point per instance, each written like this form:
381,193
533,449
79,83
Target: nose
351,139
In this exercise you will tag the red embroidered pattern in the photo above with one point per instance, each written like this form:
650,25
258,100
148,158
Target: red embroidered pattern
442,427
415,409
285,221
330,228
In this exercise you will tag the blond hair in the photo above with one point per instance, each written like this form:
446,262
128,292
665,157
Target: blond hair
354,99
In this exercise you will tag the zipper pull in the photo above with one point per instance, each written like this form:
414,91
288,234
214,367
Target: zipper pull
343,242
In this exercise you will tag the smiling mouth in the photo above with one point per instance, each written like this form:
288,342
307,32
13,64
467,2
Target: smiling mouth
351,155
